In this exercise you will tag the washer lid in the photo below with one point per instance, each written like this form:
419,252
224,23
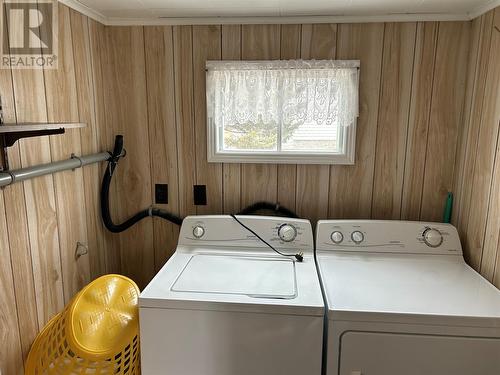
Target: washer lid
243,275
235,281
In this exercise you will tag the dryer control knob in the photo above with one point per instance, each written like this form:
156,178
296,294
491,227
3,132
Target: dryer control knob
357,237
337,237
198,231
433,237
287,233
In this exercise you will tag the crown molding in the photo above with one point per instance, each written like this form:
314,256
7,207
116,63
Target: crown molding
479,11
403,17
285,19
85,10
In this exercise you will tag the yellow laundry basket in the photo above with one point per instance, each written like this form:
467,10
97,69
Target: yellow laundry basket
97,333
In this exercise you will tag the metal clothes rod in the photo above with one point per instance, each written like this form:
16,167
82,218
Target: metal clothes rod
10,177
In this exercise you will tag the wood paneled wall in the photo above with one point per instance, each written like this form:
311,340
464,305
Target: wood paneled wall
41,220
478,181
413,78
420,134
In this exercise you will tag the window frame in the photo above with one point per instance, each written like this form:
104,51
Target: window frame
216,155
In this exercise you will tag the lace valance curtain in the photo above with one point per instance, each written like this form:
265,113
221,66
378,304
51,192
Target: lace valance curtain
289,93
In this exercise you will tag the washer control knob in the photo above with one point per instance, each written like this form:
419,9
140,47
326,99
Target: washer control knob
337,237
357,237
287,233
433,237
198,231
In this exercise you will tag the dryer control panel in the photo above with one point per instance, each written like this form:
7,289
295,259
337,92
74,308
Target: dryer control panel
225,231
387,237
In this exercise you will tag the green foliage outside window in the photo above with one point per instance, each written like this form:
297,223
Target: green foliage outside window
255,136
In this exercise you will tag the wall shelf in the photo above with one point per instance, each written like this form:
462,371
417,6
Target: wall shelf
11,133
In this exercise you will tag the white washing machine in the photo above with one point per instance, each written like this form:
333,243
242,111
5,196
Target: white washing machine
227,304
401,300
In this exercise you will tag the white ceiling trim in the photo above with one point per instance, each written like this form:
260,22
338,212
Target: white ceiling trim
405,17
285,19
79,7
483,9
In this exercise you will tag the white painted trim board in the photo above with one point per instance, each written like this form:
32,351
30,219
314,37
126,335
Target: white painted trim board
410,17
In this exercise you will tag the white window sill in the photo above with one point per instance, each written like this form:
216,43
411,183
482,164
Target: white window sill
281,158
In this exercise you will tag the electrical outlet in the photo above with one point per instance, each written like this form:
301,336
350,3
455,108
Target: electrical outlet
161,193
200,195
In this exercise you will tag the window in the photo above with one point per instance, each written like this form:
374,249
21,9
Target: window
282,111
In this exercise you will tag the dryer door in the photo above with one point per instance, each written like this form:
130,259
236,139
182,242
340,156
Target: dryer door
365,353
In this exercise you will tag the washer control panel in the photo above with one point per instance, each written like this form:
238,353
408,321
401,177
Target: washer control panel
337,237
432,237
387,236
287,232
198,231
223,230
357,237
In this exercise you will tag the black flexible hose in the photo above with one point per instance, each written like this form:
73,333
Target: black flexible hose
106,182
259,206
118,153
117,228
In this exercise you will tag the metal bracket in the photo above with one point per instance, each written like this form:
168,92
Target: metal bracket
4,161
73,156
10,138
